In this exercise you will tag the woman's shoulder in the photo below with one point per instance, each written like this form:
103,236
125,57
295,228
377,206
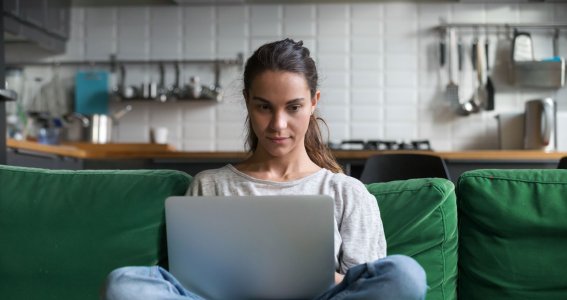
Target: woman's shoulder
343,181
341,178
213,174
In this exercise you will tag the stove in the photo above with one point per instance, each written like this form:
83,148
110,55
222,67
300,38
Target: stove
381,145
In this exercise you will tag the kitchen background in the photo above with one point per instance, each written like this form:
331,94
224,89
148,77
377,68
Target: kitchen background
379,67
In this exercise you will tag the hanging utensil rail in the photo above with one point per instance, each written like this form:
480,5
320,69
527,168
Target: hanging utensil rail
499,26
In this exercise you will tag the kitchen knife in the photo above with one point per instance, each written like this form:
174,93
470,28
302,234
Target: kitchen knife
489,84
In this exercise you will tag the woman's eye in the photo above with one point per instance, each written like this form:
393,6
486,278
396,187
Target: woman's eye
264,107
294,107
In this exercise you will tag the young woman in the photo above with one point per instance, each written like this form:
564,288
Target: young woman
288,156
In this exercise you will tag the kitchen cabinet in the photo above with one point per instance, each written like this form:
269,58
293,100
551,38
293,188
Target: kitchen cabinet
42,22
58,18
11,6
33,11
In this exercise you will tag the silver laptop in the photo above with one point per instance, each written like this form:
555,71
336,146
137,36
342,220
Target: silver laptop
251,247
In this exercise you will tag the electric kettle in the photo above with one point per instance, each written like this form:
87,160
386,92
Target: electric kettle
540,125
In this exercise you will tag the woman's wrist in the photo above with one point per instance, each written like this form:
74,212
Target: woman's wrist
338,278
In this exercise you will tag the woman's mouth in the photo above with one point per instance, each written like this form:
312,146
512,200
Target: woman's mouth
278,140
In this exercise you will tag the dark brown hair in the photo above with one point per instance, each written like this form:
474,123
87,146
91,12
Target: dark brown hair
290,56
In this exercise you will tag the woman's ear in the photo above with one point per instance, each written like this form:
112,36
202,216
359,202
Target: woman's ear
315,101
246,102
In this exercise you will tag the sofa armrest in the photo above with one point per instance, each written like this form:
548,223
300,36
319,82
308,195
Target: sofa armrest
420,220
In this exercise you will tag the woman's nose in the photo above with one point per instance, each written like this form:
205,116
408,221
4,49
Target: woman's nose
279,121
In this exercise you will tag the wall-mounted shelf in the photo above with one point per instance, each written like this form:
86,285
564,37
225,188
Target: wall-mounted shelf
113,62
116,65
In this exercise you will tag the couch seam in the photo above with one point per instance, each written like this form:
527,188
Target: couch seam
87,172
510,179
443,244
429,184
445,235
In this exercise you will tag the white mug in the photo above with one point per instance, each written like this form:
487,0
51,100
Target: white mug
158,135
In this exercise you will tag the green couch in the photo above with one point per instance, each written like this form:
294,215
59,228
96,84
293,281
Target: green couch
61,232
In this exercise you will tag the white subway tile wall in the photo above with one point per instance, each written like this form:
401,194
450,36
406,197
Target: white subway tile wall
379,66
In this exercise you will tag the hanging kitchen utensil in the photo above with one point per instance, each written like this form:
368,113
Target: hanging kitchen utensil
479,96
161,89
473,49
472,105
556,42
489,104
176,91
452,89
123,91
194,88
466,108
442,49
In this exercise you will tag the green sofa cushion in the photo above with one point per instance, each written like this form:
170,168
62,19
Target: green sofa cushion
62,232
512,234
420,220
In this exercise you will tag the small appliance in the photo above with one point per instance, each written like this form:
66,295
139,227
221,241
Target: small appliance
540,125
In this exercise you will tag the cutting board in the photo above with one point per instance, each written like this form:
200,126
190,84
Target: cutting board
91,92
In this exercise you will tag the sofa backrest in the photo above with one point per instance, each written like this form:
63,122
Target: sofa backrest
512,234
420,220
62,232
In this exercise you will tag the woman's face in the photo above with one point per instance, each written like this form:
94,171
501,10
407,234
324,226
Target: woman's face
279,105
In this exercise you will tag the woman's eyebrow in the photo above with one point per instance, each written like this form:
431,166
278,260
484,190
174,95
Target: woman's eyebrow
260,99
292,101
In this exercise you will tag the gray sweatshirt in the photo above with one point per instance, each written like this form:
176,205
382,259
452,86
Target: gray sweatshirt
359,235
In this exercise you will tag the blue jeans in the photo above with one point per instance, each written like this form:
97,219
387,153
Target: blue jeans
394,277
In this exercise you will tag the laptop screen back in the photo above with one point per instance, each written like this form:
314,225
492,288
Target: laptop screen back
252,247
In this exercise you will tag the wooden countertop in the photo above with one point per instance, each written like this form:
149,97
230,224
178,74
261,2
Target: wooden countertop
160,151
95,151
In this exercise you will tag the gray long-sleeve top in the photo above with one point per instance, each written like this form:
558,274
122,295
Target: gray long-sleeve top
359,235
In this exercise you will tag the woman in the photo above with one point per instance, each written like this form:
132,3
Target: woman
288,156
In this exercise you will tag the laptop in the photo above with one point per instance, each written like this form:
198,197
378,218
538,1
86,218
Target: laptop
251,247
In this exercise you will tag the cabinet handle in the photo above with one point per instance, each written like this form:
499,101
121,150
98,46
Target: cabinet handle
8,95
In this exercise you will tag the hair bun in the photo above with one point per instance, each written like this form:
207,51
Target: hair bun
296,45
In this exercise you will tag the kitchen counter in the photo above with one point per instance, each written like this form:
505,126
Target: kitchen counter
80,156
161,151
93,151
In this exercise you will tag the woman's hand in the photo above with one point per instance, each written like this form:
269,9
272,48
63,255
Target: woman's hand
338,278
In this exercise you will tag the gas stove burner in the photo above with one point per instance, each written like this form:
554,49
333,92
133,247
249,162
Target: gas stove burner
381,145
352,145
421,145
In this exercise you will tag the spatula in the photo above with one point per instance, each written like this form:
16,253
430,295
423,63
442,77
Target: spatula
452,89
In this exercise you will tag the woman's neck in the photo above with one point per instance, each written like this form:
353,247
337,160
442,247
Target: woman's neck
262,166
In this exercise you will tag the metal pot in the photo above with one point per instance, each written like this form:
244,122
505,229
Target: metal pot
101,126
98,128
